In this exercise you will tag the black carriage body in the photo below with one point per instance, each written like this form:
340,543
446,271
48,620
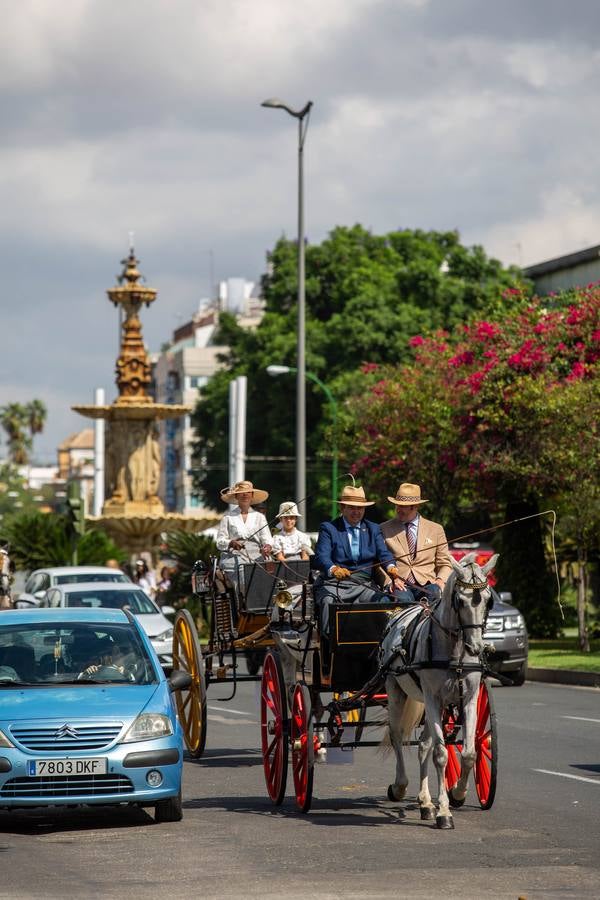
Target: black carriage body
260,582
356,634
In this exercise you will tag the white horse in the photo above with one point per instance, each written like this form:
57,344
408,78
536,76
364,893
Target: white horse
437,641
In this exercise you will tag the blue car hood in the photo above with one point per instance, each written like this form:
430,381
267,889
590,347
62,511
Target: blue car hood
85,702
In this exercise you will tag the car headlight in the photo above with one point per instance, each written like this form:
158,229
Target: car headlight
147,727
164,636
513,622
4,741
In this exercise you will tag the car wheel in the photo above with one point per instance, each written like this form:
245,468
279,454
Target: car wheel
170,810
520,675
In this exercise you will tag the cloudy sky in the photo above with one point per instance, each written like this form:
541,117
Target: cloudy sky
144,116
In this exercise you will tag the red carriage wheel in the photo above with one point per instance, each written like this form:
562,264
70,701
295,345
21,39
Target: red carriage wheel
274,725
453,765
486,748
303,746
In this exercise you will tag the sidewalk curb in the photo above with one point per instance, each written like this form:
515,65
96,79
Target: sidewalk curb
564,676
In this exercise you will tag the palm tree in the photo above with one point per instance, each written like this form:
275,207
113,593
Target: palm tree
15,421
37,413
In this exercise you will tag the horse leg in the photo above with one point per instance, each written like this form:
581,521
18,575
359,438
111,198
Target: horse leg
440,758
426,806
396,701
459,792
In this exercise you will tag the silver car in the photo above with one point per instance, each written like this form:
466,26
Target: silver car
41,579
96,595
506,633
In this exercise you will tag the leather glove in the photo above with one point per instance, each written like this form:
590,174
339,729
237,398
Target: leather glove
339,572
393,571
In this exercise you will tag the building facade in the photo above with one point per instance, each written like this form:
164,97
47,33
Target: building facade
565,272
179,371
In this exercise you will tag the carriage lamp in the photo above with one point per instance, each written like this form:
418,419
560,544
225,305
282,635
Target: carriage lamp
154,778
283,598
199,578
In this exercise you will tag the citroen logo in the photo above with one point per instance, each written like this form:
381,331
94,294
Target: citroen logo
66,731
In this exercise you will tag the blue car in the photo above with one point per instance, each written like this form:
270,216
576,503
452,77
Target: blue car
86,713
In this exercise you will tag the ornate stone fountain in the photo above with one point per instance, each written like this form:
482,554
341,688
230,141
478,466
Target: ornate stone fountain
133,513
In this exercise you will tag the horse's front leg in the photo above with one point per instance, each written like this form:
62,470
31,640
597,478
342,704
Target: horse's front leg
396,701
426,806
459,792
440,759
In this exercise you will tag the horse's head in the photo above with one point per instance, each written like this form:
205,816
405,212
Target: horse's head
472,599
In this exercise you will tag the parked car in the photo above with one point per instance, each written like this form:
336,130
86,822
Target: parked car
104,595
86,713
507,633
41,579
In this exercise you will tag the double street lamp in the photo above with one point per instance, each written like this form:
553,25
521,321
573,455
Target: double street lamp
303,117
284,370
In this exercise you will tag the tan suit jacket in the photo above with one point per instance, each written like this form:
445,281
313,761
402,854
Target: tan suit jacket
432,561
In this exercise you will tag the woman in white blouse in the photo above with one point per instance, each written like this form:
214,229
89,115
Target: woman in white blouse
243,535
290,543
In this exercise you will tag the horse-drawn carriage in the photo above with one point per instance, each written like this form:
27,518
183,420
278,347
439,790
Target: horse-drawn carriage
422,664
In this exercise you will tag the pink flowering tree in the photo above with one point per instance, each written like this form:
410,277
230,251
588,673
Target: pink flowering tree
501,414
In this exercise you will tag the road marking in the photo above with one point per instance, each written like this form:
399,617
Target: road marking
236,712
565,775
581,719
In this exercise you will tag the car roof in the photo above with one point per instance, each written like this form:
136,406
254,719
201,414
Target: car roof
75,570
97,586
98,616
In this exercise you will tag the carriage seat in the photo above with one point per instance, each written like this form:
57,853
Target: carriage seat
261,579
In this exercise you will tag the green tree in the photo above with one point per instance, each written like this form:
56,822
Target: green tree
37,539
366,296
501,417
21,423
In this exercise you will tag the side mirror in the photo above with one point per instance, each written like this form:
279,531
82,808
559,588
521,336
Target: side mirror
179,681
39,595
505,596
167,610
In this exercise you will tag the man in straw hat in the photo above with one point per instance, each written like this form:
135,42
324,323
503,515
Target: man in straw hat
349,551
243,534
419,547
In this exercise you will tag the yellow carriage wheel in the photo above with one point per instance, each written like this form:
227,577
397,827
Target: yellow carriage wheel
191,704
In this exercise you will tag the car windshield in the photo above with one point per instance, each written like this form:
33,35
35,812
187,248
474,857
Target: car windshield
136,600
115,577
76,653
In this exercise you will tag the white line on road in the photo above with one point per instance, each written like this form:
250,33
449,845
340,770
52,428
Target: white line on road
581,719
565,775
236,712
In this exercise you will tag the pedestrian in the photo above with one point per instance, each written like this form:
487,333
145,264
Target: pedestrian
144,577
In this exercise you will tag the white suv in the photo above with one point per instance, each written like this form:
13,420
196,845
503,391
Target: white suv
41,579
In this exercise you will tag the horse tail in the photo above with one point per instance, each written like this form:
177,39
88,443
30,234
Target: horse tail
411,718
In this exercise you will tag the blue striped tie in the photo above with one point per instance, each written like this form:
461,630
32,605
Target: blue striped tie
355,542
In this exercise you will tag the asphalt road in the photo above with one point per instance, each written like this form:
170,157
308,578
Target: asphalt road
541,839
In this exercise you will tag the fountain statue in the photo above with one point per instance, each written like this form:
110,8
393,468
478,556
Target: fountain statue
133,513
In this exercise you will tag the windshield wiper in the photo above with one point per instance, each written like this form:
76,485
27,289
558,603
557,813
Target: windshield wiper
18,683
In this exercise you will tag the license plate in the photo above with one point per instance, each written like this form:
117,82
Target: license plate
38,768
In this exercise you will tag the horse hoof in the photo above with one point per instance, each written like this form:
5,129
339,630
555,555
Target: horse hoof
391,792
444,822
427,814
395,794
455,802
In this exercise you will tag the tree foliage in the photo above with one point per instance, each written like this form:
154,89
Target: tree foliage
21,422
366,297
501,414
38,540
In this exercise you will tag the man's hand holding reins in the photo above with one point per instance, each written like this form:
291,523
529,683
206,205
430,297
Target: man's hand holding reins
340,572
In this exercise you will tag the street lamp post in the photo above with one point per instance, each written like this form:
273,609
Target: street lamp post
284,370
301,115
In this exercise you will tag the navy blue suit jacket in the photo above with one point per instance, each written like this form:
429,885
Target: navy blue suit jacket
333,547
